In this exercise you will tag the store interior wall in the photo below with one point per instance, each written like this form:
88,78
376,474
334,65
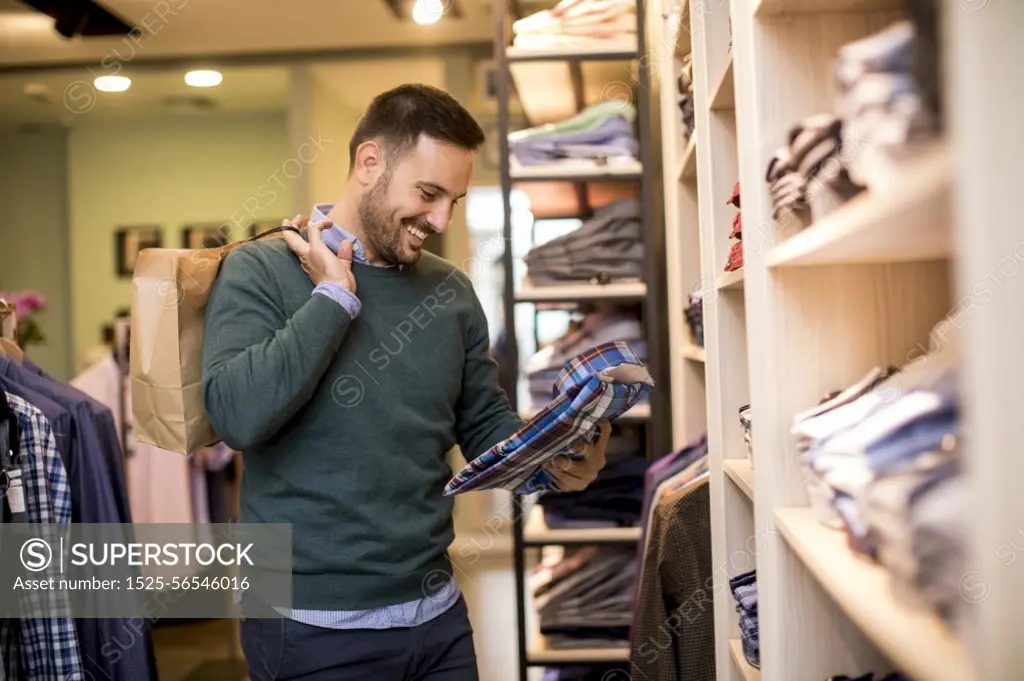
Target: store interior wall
197,171
34,247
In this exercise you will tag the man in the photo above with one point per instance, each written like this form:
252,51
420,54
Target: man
345,365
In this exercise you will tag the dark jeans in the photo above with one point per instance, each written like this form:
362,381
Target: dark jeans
439,650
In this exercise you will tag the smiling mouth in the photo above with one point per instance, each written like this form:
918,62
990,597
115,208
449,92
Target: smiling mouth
417,232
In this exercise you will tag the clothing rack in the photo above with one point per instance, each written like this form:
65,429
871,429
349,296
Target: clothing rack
531,73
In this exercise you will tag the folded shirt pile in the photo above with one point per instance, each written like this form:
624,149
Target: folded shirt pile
735,260
595,388
601,134
603,325
686,96
587,673
583,596
882,462
806,177
614,499
579,24
870,676
744,590
607,247
879,102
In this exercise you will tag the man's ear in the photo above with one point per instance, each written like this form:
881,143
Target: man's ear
369,163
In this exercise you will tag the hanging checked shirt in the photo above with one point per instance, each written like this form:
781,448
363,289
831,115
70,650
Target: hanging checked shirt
597,386
48,647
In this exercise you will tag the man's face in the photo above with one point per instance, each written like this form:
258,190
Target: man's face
414,199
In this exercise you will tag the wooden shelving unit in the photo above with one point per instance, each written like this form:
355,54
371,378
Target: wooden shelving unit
813,309
553,85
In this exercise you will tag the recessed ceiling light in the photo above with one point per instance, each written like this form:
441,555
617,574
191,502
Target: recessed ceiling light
112,83
426,12
204,78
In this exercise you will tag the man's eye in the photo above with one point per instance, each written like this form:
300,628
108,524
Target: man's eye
428,197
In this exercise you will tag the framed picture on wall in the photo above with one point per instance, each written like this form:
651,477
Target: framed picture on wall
128,241
206,236
262,226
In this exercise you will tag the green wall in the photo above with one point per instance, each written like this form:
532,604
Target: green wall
170,173
34,248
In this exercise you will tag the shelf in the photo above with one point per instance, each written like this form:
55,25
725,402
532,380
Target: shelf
916,641
610,52
683,39
772,7
909,220
625,290
688,166
694,353
539,654
638,414
567,172
742,473
724,96
729,280
554,89
537,533
748,672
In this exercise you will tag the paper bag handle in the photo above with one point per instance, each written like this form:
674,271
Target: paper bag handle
232,246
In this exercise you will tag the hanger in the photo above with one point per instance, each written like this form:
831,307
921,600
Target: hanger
8,333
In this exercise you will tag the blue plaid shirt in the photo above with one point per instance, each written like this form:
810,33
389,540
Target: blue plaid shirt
47,646
408,614
744,590
597,386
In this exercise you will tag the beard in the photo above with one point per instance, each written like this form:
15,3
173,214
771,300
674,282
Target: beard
384,232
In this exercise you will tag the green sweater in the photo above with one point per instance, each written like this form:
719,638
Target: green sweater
345,423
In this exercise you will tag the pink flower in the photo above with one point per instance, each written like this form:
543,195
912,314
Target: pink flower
26,303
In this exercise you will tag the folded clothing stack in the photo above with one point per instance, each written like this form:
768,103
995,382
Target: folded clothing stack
603,325
735,260
601,134
806,177
686,96
607,247
614,499
583,596
880,103
695,318
744,590
882,462
870,676
587,673
579,24
746,424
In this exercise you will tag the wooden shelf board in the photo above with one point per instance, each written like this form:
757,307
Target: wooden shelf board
688,166
724,96
576,173
730,280
910,220
613,51
742,473
626,290
694,353
537,533
539,654
772,7
747,671
917,641
684,39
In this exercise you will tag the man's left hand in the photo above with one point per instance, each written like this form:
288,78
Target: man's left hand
572,475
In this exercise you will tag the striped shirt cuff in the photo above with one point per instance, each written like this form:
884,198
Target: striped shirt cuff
340,295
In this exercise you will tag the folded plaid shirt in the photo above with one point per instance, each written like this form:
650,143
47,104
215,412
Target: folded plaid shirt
47,647
597,386
744,590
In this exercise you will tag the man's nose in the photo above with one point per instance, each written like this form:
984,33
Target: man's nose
439,220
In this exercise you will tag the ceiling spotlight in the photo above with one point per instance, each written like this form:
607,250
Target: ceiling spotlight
112,83
204,78
426,12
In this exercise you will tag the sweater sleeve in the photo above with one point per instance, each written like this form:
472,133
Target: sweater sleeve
260,365
483,416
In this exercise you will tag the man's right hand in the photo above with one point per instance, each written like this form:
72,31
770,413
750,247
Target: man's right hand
318,261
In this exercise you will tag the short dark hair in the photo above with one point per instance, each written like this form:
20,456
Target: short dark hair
399,116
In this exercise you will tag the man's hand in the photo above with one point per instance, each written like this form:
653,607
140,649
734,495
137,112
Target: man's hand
574,475
318,261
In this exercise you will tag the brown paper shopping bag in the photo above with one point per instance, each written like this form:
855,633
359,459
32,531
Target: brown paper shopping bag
170,288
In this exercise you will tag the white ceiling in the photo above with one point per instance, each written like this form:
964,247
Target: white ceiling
183,28
67,97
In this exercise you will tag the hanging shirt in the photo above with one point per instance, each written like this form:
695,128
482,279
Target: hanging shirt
47,646
596,387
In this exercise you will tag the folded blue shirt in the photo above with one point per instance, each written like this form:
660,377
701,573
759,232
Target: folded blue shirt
597,386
